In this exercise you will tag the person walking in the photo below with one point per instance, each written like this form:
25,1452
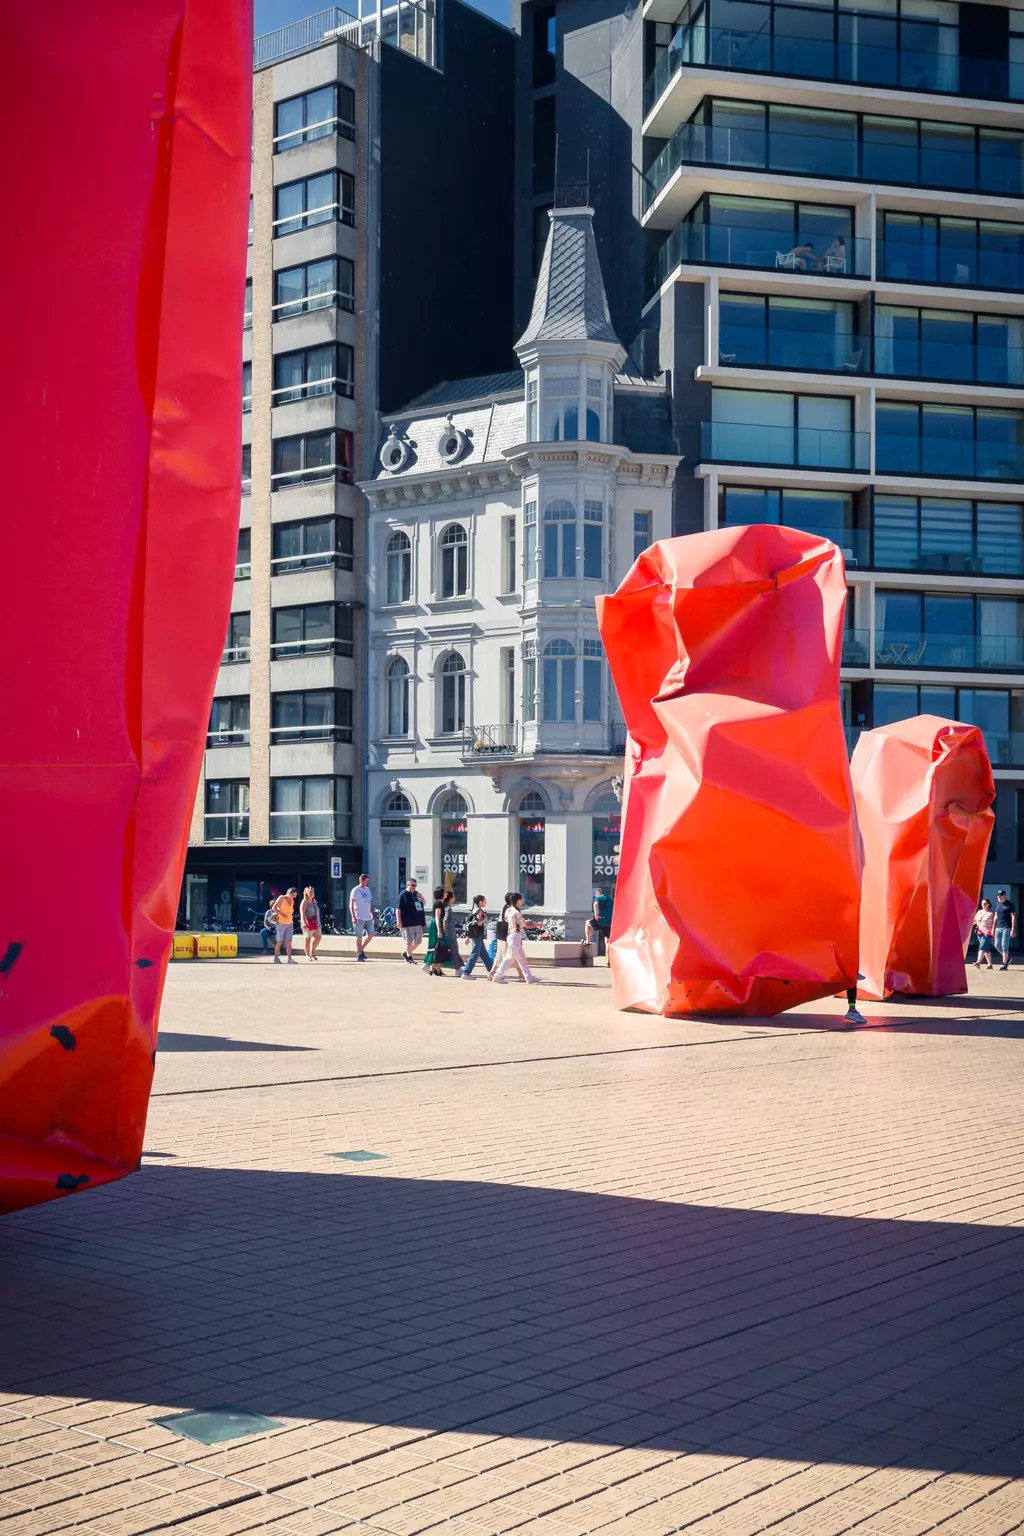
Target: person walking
985,924
601,920
309,918
412,919
501,933
1006,926
268,932
476,933
284,917
439,953
360,906
515,955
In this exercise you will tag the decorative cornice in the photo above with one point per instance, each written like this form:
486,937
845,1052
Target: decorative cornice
531,458
416,490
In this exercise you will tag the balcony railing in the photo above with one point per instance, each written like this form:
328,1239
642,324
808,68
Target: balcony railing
969,265
284,479
234,653
855,543
967,554
903,648
285,394
243,571
219,828
320,559
280,734
310,826
744,245
770,50
733,442
329,298
828,151
856,648
327,128
949,361
327,645
750,347
948,457
228,738
486,742
299,35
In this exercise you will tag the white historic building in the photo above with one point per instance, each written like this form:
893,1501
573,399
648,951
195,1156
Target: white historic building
502,507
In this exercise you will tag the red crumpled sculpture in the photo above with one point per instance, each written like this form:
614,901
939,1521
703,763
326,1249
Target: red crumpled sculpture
923,789
126,185
739,871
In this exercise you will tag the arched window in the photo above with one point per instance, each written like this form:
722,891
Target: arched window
453,694
532,804
560,538
398,569
559,681
452,812
454,574
398,697
398,805
561,405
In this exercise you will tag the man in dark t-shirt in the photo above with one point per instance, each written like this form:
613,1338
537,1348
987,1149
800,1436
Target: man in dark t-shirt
412,919
1006,926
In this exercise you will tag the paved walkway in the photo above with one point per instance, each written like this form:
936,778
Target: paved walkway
609,1274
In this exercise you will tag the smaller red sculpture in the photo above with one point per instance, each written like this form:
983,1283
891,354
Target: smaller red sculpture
924,793
739,873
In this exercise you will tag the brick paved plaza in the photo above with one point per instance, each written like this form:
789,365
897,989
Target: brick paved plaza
609,1274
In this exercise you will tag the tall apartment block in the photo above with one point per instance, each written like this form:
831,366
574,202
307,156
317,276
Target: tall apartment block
381,197
831,198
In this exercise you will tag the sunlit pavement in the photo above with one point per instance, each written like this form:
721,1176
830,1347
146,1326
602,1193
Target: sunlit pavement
604,1273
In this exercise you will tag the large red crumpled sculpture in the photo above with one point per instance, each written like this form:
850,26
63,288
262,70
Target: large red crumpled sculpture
126,188
923,789
739,872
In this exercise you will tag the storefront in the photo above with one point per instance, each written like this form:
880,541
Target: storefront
233,889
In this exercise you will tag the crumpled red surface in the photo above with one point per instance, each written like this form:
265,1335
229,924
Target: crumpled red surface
923,789
739,870
122,255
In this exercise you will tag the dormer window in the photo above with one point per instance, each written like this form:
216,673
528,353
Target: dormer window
561,405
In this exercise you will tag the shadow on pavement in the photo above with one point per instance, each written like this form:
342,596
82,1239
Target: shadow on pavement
505,1310
167,1040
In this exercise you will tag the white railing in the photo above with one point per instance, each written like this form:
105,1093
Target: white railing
235,653
300,647
319,472
309,134
226,832
314,301
301,220
313,732
313,388
221,734
298,36
318,559
243,572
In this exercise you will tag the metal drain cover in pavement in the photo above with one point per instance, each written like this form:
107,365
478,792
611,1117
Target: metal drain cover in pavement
361,1157
211,1425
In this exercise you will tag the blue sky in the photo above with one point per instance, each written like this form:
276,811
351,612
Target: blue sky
275,13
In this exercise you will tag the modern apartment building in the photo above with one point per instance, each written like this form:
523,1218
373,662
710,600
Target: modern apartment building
501,507
357,124
831,198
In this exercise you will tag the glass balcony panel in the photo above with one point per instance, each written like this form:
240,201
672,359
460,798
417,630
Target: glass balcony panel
856,648
803,447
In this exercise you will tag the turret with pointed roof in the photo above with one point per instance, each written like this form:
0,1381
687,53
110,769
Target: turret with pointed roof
570,303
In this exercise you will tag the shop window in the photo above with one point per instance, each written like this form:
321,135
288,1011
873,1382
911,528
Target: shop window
453,815
531,821
606,825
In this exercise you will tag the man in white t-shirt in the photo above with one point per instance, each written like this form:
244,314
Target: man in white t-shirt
360,905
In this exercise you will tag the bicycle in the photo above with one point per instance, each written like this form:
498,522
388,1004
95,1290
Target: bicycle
385,922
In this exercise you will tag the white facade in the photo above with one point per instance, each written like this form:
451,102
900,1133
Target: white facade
495,735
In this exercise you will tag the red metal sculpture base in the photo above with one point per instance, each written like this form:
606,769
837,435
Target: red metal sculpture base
924,791
739,872
123,261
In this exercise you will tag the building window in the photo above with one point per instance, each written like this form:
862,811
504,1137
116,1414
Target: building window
545,46
316,629
246,387
593,540
530,542
606,832
398,569
641,533
453,694
328,370
508,675
314,200
318,542
311,810
559,681
530,680
452,814
531,849
398,805
948,630
751,426
593,663
949,344
961,441
561,405
454,547
322,284
243,555
318,114
316,456
227,811
247,315
229,723
560,539
246,468
969,253
509,572
943,533
531,408
324,714
397,699
236,646
595,404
